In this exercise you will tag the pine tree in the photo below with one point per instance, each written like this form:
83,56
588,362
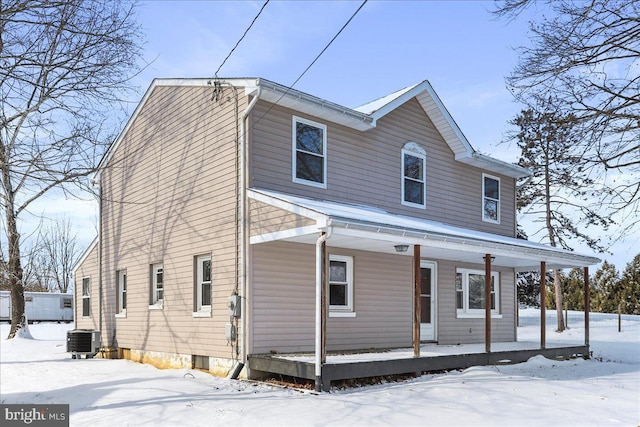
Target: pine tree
629,296
605,283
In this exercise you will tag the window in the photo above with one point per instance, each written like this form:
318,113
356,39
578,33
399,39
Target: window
470,292
66,303
414,175
157,285
309,152
340,283
203,284
490,199
121,278
86,296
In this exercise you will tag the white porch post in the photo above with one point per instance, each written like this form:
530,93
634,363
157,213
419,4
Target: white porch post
416,300
320,307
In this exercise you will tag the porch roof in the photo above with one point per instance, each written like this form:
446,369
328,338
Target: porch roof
371,229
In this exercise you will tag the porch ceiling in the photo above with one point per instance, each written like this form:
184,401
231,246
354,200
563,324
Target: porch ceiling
368,229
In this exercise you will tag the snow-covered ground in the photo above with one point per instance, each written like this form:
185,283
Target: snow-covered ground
602,391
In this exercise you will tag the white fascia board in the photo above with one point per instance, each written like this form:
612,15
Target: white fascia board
314,106
493,165
520,251
285,234
85,254
321,219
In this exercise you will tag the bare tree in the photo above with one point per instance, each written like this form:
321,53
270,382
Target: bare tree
59,254
585,54
64,68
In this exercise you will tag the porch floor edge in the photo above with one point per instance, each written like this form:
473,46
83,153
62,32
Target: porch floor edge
418,365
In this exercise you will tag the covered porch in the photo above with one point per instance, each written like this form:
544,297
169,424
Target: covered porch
368,229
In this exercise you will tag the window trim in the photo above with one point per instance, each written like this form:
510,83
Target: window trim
155,302
349,285
465,311
484,198
413,149
86,296
201,310
294,151
121,294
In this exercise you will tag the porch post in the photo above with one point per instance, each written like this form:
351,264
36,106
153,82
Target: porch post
416,300
587,307
487,303
543,303
323,303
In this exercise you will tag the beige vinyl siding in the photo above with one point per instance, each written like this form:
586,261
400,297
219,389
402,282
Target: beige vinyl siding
452,330
169,195
264,218
365,167
283,300
88,268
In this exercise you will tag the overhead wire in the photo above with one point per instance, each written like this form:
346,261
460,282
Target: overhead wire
312,62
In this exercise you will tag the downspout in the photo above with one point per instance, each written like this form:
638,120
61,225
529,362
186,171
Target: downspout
319,255
243,234
98,181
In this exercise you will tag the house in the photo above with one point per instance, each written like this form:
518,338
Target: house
240,217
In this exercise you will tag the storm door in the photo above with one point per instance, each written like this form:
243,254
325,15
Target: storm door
427,301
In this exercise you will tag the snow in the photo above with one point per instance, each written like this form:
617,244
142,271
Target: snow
602,391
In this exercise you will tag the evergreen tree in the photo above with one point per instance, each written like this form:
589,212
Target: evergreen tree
555,195
605,283
630,287
529,288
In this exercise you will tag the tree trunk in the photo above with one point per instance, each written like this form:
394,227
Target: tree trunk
558,292
14,272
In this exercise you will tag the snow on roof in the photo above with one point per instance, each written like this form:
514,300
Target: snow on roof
373,106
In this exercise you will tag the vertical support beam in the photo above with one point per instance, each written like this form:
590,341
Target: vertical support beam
487,303
543,304
323,302
587,307
416,300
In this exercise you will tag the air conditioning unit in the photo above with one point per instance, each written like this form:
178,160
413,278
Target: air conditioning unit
83,342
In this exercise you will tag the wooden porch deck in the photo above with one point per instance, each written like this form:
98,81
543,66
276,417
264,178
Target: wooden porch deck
363,365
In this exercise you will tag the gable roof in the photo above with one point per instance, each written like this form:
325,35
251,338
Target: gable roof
362,118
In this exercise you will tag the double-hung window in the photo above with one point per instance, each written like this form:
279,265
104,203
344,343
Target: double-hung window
309,152
470,291
157,285
121,277
490,198
340,283
414,175
203,284
86,296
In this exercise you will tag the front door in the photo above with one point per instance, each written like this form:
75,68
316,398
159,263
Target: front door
427,301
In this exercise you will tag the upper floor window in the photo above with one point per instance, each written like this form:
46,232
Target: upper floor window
414,175
86,296
203,284
340,282
470,290
490,198
157,285
309,152
122,291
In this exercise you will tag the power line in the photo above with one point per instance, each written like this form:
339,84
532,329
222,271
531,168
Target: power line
245,33
312,62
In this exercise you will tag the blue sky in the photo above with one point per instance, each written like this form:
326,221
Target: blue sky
457,45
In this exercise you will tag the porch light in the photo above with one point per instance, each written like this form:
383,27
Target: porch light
492,258
401,248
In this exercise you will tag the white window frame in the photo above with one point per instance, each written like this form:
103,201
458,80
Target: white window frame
200,308
294,152
157,303
414,150
465,311
485,199
86,295
121,280
338,310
